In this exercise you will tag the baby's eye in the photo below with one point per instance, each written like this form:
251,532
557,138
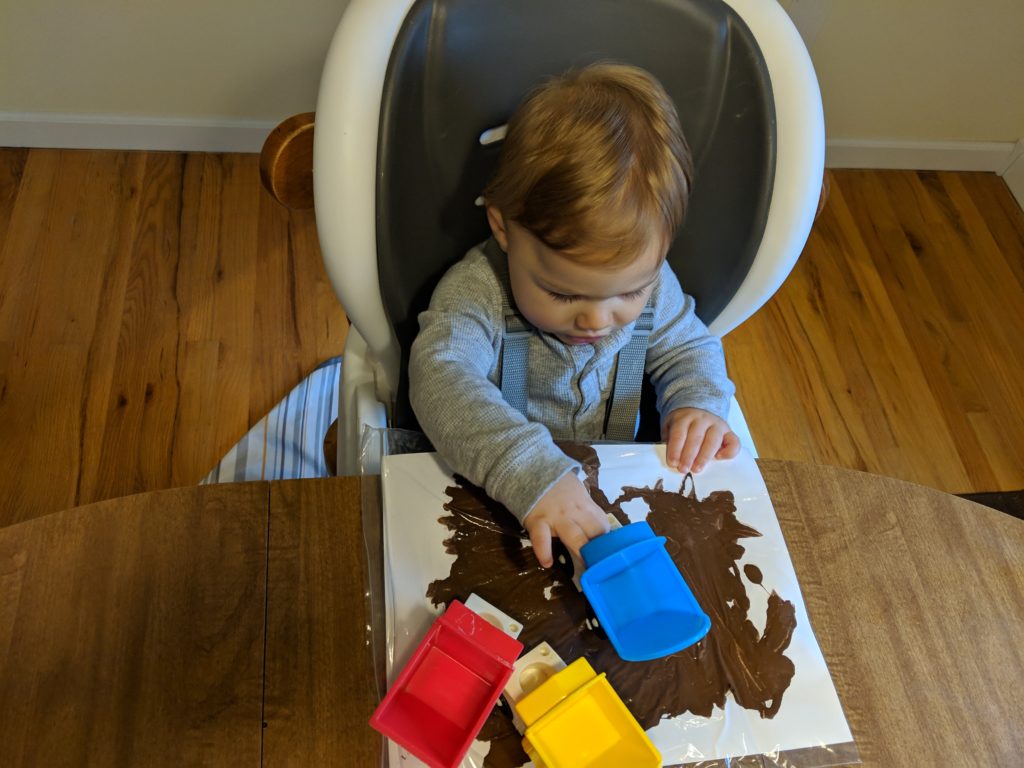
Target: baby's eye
563,297
634,294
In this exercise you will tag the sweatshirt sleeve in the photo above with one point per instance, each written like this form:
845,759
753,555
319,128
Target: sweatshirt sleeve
461,411
685,360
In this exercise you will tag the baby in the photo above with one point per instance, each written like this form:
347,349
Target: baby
592,184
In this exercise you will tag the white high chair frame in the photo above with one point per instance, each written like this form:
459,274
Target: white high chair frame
345,180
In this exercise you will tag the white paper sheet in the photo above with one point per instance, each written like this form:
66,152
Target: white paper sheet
810,715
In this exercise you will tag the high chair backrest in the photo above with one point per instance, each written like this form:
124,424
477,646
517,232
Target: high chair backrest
457,68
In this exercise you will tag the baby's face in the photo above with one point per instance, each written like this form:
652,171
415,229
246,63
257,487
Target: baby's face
577,303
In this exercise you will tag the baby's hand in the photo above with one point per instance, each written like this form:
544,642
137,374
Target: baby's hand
565,511
693,437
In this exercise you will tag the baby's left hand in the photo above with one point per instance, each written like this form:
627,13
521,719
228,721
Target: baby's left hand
693,437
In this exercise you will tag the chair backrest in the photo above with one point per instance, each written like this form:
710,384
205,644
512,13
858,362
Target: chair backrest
460,67
449,70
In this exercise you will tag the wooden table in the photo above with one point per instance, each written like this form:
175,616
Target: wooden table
226,625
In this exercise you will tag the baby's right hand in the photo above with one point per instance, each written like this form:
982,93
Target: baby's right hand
567,512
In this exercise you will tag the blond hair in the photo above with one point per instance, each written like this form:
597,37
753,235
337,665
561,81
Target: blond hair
595,164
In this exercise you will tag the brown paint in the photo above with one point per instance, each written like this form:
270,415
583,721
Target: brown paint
703,538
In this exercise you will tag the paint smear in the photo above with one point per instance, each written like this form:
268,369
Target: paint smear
703,538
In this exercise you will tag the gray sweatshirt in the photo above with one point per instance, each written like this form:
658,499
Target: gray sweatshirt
455,369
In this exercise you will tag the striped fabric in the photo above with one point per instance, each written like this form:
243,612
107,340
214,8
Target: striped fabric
287,443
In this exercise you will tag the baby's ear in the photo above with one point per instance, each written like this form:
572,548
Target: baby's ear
498,229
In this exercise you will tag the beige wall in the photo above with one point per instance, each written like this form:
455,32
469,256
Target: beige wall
207,59
925,70
917,70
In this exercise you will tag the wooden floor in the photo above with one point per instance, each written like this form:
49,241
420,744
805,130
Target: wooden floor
897,344
154,305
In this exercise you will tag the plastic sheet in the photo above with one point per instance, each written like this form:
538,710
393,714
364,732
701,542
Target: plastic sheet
374,444
785,739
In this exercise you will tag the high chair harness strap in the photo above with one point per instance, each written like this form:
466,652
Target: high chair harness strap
624,405
515,360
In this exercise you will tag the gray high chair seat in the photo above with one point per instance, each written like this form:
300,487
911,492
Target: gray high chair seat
411,88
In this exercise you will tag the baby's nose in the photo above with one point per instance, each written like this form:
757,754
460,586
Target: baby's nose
594,318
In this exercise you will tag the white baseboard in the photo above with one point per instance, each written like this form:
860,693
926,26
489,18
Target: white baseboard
991,156
1014,178
18,129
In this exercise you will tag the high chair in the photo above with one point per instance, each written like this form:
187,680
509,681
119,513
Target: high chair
412,91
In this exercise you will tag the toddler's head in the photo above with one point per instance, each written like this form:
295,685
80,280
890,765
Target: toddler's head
595,164
591,187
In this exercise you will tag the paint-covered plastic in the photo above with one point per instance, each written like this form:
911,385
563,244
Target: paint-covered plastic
577,719
445,692
640,598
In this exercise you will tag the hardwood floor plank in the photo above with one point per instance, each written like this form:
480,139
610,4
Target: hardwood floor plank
873,343
12,168
58,274
1003,216
764,351
20,271
131,420
216,292
969,278
912,265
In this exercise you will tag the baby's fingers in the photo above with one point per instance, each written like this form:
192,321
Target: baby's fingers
691,448
595,524
730,446
674,443
708,448
540,538
572,535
